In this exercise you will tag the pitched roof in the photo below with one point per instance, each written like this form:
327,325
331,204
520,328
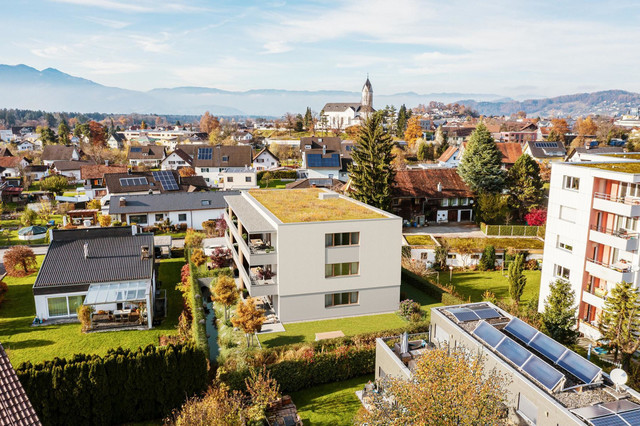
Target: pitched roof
36,168
174,201
265,150
98,171
419,183
57,152
72,165
113,255
149,152
546,149
448,153
119,137
4,152
12,162
237,156
180,153
510,151
114,184
341,106
15,407
190,149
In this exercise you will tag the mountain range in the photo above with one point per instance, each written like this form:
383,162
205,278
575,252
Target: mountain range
25,87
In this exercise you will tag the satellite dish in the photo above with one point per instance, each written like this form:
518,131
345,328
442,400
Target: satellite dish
618,377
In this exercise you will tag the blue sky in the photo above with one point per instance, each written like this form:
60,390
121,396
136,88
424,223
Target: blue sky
512,48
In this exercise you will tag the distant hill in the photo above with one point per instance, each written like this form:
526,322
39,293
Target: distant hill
608,102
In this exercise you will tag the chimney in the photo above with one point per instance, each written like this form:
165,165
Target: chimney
439,187
106,163
324,150
123,201
144,252
134,229
86,250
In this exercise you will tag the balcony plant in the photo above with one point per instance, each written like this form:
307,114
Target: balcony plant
264,274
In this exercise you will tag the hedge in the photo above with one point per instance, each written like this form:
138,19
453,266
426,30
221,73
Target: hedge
509,230
198,326
121,387
427,287
278,174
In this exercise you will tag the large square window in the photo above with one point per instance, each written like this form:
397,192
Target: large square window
182,217
57,306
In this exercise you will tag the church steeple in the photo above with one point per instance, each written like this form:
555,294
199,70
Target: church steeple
367,94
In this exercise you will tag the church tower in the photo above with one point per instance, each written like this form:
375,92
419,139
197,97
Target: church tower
367,94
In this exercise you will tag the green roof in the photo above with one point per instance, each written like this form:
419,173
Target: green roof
633,168
630,155
304,205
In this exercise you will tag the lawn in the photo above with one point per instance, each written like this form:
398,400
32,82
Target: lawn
13,233
473,283
420,240
274,183
35,344
306,331
519,243
330,404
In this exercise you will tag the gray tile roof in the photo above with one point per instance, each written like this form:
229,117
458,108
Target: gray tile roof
15,407
114,186
57,152
172,201
150,152
71,165
114,255
237,156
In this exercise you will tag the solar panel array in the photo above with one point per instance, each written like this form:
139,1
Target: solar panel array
570,361
614,413
474,313
205,153
136,149
317,160
546,145
133,181
166,179
543,373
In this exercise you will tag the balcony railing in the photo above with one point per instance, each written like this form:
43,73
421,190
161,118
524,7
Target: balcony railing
620,233
618,266
624,200
257,246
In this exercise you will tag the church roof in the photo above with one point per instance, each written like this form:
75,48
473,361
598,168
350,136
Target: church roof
341,106
367,85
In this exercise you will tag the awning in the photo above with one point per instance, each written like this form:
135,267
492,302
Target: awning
99,294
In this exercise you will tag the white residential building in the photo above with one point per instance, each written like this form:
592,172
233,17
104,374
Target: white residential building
176,160
315,254
265,160
238,178
592,232
211,161
340,115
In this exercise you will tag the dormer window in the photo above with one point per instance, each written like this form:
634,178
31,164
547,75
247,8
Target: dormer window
307,147
225,158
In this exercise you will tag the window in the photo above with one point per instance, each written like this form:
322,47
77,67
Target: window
451,256
527,409
475,256
338,299
445,202
182,217
465,201
454,201
247,179
140,219
225,158
206,202
568,214
564,246
424,255
204,170
74,303
206,179
159,217
572,183
57,306
230,179
561,272
342,239
341,269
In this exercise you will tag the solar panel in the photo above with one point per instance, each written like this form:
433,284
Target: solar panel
513,352
487,313
521,330
205,153
546,145
579,367
621,406
631,417
317,160
489,334
136,149
166,179
591,411
547,347
133,181
463,314
543,373
612,420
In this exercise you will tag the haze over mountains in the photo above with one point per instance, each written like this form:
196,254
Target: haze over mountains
25,87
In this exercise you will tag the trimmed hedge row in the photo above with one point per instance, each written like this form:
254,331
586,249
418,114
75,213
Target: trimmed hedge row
123,386
430,289
198,326
509,230
278,174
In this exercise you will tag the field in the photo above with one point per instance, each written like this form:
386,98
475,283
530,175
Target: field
26,343
471,284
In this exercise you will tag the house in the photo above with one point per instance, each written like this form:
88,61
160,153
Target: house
242,136
436,195
457,135
116,141
36,172
53,153
526,133
7,135
546,383
191,149
592,232
211,161
10,190
238,178
510,152
450,157
181,208
545,151
265,160
71,169
157,182
589,153
150,156
25,146
325,157
12,166
314,254
340,115
110,269
93,177
5,152
15,407
176,160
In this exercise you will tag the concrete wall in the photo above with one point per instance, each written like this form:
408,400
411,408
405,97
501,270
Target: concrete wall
388,364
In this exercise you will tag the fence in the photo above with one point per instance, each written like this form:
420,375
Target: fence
511,230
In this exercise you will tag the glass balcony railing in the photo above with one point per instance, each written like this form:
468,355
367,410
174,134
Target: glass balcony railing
620,233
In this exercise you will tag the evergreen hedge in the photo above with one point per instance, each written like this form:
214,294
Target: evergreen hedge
509,230
430,289
198,326
278,174
123,386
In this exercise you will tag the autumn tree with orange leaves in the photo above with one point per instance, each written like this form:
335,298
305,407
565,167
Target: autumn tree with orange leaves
19,261
413,131
187,171
209,123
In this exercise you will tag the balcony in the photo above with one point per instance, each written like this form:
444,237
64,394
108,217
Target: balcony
262,285
620,239
623,206
261,252
592,299
615,273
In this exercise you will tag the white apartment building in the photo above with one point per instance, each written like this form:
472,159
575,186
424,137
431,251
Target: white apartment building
315,254
592,232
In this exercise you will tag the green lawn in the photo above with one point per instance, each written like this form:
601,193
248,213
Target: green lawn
35,344
473,283
13,234
306,331
330,404
520,243
274,183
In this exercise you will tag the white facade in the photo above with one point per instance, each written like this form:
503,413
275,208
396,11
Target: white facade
191,218
238,179
211,175
265,161
7,135
173,162
25,146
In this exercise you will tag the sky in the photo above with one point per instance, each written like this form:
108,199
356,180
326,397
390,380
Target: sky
510,48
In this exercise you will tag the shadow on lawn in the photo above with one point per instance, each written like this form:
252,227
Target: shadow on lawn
283,340
29,343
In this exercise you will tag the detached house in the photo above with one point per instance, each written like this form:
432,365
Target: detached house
150,156
53,153
12,166
157,182
93,177
450,157
549,151
510,151
176,160
116,141
211,161
326,157
265,160
71,169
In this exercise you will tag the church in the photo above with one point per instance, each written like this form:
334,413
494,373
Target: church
340,115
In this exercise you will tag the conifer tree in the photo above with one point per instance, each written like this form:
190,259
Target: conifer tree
559,315
371,173
524,185
517,280
620,322
308,118
481,165
401,122
63,132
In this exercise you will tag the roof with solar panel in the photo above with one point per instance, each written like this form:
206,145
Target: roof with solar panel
157,182
222,156
573,381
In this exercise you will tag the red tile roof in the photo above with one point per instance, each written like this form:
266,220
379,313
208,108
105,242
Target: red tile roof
419,183
98,171
510,151
10,161
448,154
15,407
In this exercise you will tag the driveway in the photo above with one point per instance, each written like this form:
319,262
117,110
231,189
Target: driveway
466,230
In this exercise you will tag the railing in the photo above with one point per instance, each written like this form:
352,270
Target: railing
613,198
261,281
620,233
617,268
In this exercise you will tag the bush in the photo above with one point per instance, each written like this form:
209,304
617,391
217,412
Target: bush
531,265
84,315
121,387
19,261
408,307
278,174
198,326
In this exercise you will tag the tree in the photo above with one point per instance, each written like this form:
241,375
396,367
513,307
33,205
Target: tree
401,122
209,227
209,123
448,387
104,220
584,127
94,204
352,131
198,258
425,151
308,119
97,134
46,211
559,315
491,208
524,185
248,318
517,280
481,165
28,217
56,184
143,125
20,261
620,322
413,131
218,407
559,128
266,177
290,121
221,257
226,293
46,135
488,260
186,171
193,239
536,217
63,132
263,390
371,173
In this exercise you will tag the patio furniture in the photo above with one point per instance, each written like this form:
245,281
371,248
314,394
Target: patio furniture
122,314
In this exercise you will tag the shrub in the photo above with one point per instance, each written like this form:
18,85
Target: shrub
532,265
104,220
536,217
84,315
408,307
488,260
19,261
278,174
56,184
28,217
193,239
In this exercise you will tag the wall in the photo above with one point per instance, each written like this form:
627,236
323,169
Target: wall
194,217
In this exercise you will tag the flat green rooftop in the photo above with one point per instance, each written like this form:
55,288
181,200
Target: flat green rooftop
629,156
304,205
633,168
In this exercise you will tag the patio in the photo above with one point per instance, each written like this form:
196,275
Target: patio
272,324
119,305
